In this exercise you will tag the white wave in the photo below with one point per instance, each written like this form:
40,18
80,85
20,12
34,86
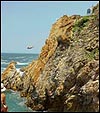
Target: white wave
22,103
2,70
17,57
19,63
12,91
18,70
4,62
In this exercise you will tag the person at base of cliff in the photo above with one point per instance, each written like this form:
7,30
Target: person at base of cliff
4,107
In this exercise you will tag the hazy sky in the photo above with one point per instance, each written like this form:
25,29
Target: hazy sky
29,23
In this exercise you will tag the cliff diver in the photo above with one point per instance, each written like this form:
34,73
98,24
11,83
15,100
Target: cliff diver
29,47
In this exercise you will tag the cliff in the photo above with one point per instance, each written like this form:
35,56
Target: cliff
65,77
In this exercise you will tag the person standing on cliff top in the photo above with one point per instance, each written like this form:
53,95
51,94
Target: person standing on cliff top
88,11
4,107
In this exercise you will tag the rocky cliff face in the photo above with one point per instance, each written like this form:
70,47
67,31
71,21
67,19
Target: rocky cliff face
10,77
65,77
61,29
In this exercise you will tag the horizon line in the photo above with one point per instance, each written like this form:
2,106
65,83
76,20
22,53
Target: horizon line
19,53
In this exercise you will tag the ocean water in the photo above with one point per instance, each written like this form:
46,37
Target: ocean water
14,101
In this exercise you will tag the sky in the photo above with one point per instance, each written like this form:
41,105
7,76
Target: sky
29,23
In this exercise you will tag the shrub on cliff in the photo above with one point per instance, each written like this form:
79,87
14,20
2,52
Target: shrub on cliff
79,24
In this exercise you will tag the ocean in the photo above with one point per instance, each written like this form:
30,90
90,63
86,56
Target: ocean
14,101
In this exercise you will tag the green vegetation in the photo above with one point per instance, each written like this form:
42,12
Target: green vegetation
79,24
91,55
